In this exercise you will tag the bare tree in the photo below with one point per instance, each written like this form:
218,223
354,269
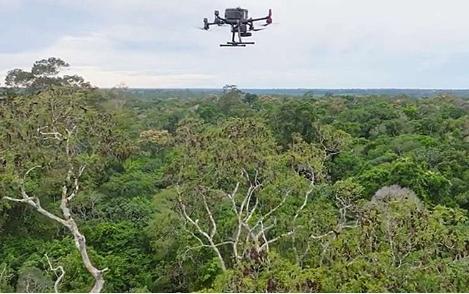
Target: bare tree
69,191
251,236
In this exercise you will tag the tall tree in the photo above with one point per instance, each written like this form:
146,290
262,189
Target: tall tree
44,74
49,142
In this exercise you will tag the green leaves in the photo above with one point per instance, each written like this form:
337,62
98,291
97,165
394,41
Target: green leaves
145,156
43,75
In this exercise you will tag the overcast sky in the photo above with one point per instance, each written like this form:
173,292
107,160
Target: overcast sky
315,43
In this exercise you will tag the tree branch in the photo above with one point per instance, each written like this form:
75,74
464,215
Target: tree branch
208,236
59,277
67,221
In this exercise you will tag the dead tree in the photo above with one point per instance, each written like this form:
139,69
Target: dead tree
69,189
208,235
250,236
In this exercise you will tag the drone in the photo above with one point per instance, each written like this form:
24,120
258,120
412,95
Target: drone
241,25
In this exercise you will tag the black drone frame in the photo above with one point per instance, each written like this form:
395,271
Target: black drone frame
236,27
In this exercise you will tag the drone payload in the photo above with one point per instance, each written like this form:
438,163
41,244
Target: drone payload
241,25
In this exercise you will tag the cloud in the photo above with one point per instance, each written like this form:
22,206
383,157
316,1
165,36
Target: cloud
139,79
317,43
10,5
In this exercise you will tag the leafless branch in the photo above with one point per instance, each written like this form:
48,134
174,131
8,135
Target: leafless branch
251,231
55,270
66,220
50,135
208,235
207,246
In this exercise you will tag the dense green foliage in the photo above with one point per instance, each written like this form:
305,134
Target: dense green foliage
345,193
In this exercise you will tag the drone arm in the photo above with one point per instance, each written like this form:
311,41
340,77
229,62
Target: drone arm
258,19
208,24
219,19
268,18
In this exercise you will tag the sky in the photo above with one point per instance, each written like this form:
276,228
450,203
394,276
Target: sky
313,43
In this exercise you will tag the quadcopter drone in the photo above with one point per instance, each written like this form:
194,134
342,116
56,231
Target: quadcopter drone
240,23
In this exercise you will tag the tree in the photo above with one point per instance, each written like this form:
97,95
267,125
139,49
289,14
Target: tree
44,74
233,186
231,102
250,99
62,140
231,89
195,193
292,116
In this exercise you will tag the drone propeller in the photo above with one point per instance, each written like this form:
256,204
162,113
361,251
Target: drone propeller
206,25
256,30
269,17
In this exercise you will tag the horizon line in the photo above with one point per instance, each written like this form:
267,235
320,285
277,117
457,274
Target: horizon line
288,88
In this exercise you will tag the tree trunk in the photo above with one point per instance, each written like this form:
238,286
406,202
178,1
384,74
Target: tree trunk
80,243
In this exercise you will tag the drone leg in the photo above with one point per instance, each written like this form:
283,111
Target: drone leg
233,38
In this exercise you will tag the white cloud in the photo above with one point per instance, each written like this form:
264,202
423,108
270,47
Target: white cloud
317,43
10,5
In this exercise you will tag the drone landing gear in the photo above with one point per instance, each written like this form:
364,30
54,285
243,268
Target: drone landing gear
237,44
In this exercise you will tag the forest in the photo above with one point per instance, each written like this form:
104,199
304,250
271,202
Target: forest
103,191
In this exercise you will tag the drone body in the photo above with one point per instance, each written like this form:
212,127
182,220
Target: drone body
241,25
